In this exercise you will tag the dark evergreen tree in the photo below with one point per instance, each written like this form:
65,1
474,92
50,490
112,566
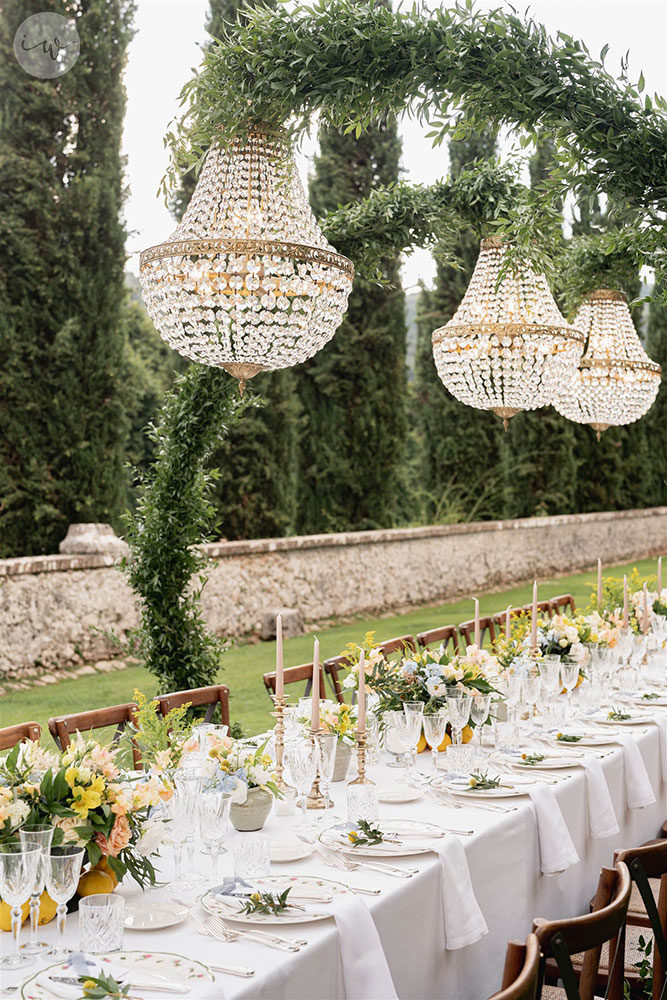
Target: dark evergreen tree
655,420
353,392
457,445
62,420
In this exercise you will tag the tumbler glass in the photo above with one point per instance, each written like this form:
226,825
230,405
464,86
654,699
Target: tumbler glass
101,921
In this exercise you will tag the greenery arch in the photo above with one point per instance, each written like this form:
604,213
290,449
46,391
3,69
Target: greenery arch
456,70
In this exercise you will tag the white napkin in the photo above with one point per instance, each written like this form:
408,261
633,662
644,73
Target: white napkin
464,921
59,989
365,971
601,815
557,851
637,783
661,722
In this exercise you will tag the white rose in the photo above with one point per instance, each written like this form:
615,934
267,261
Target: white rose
240,792
152,837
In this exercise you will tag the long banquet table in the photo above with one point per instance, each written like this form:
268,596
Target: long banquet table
504,859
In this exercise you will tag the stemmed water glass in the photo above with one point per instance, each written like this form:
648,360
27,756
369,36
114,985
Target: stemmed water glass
569,675
18,870
302,758
188,782
327,744
435,727
177,829
531,684
40,836
458,706
62,877
213,823
414,714
550,673
479,712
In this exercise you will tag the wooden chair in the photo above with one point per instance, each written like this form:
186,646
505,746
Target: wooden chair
294,675
522,971
63,726
332,668
487,625
401,644
19,733
648,909
582,938
561,605
445,635
216,694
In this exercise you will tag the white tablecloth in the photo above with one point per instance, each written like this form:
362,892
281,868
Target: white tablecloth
504,861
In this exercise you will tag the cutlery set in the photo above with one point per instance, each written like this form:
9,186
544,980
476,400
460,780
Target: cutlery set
214,926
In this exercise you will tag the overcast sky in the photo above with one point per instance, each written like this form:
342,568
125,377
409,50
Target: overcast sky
166,48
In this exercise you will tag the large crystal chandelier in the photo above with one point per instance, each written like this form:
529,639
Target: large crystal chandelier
247,281
616,381
507,347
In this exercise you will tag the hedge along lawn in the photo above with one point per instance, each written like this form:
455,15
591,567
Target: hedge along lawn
245,663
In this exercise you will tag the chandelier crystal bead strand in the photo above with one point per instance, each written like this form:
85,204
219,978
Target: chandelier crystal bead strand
616,381
247,281
508,348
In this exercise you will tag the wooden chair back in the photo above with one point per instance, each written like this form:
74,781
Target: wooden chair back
500,618
211,697
22,731
560,939
522,971
296,675
562,604
487,626
440,636
62,727
332,669
650,862
401,644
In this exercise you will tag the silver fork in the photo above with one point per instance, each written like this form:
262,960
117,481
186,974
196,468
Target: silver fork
263,937
447,799
343,861
225,933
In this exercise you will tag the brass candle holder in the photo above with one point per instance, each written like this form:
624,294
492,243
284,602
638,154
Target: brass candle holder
279,702
315,798
362,745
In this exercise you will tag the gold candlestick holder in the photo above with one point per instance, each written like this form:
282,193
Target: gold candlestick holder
279,702
362,796
362,745
315,798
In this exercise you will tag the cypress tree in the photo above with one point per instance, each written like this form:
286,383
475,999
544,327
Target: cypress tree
62,420
353,392
458,466
655,419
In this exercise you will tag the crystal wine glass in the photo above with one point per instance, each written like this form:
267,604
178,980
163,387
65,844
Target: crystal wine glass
550,674
302,758
479,712
435,727
531,684
177,828
327,744
213,823
395,730
458,706
62,877
188,782
18,871
414,713
569,675
37,835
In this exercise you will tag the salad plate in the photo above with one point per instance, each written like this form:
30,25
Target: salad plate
399,793
141,967
148,915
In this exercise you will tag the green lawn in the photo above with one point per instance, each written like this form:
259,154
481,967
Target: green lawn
245,663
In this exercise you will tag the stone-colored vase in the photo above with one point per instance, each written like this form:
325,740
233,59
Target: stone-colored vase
343,758
251,814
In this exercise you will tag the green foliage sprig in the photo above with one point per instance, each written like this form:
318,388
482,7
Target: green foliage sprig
368,835
266,902
483,781
173,517
95,988
618,715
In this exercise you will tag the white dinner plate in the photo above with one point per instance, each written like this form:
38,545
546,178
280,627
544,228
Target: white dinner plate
283,851
659,702
411,834
636,720
159,966
585,741
512,785
399,793
146,915
548,764
307,884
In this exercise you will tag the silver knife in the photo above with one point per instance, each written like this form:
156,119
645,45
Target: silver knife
149,987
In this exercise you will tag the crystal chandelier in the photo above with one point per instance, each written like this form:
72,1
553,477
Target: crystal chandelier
247,281
616,381
507,348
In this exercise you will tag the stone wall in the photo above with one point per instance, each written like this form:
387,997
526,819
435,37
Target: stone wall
51,606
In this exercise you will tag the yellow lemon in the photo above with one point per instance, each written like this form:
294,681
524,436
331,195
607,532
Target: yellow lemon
47,908
6,915
467,734
93,882
104,866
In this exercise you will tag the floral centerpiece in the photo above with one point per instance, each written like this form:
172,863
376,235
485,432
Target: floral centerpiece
569,637
247,773
161,740
89,802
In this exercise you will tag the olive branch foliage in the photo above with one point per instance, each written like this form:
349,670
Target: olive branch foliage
455,70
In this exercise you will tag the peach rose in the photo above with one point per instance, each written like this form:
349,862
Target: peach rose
118,839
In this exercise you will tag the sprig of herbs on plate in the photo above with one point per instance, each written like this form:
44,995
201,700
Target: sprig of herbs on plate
102,986
368,836
482,781
650,696
618,715
266,902
567,738
533,758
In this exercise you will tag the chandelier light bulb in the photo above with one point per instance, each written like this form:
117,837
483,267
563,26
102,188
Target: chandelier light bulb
616,381
247,282
507,348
